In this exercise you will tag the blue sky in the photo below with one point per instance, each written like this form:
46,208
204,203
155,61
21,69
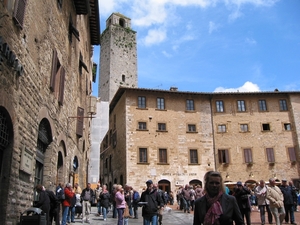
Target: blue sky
213,45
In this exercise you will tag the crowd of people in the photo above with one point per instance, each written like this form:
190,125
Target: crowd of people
212,205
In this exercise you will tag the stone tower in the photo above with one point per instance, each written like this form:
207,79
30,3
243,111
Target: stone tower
118,57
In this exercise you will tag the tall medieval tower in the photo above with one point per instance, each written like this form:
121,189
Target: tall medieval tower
118,57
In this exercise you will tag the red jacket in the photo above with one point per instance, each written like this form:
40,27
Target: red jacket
68,196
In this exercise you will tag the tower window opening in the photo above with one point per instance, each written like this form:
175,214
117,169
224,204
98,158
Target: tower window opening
123,78
122,22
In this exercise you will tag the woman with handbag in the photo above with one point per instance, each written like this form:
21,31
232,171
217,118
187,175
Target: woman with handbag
104,199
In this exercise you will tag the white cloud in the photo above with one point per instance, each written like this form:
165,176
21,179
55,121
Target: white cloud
168,55
154,36
212,27
250,41
247,87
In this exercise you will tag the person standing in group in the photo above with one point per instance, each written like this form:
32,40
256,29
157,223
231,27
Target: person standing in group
66,203
154,204
275,196
260,192
288,201
216,207
71,214
241,194
77,189
104,198
128,198
44,201
135,201
113,200
54,203
162,196
120,203
97,193
198,192
86,197
295,195
186,198
60,194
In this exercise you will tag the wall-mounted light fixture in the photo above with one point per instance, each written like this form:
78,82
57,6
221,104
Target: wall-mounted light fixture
227,175
251,175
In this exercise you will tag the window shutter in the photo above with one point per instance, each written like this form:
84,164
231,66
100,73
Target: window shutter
292,154
53,71
270,155
248,155
80,119
226,156
220,156
61,86
19,12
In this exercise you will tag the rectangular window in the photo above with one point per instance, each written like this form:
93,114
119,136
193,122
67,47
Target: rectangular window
283,105
270,155
142,126
266,127
191,128
193,156
222,128
160,103
162,155
262,105
244,127
220,106
161,126
143,158
190,105
248,155
223,156
292,154
114,139
287,126
241,107
142,102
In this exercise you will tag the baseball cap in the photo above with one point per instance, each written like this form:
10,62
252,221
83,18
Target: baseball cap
239,183
149,182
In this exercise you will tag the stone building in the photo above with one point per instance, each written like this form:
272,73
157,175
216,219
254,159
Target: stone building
174,137
46,71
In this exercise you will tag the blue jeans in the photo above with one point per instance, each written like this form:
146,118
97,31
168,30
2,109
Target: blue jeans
262,213
104,212
120,216
148,220
64,215
289,212
72,212
99,207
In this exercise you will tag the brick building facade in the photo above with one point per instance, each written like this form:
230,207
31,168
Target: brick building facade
45,87
174,137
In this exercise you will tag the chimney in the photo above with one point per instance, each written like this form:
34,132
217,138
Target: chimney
173,88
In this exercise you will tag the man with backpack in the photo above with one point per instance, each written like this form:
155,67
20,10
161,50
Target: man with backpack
135,201
54,204
60,195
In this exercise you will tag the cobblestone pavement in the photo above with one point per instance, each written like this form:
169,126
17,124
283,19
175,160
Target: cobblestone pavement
175,217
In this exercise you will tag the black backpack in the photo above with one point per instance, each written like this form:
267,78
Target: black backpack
53,199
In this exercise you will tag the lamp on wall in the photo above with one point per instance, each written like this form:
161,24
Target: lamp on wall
227,175
251,174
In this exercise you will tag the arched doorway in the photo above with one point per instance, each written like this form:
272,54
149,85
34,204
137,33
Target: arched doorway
43,141
195,182
164,185
6,149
